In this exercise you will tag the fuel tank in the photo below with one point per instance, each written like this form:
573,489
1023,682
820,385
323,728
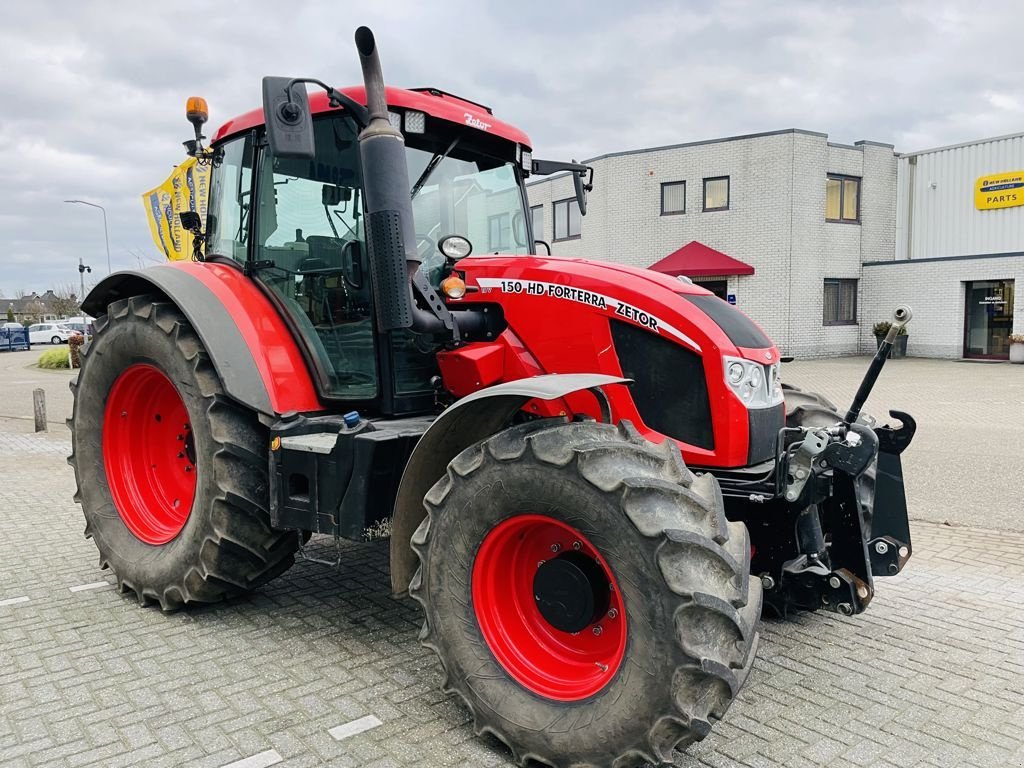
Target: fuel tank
677,341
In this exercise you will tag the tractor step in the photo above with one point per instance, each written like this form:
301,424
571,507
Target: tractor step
329,477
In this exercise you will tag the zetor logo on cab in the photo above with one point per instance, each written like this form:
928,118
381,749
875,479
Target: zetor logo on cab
474,122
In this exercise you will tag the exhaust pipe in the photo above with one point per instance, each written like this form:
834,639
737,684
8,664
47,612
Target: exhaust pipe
391,231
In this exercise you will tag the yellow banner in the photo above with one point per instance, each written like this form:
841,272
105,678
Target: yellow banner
1000,190
186,189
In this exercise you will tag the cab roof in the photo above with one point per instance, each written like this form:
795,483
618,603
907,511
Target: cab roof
432,101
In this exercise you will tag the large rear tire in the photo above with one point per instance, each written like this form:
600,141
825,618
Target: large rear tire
513,529
171,473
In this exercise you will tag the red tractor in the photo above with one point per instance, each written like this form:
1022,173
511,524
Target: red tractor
336,361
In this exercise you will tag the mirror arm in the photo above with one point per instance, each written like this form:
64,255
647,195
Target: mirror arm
336,99
547,167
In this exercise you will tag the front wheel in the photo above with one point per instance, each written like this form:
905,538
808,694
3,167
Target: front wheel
585,594
172,475
55,340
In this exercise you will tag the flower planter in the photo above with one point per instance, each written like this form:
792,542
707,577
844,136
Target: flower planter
899,347
1017,353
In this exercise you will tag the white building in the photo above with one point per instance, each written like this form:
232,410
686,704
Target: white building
820,234
959,249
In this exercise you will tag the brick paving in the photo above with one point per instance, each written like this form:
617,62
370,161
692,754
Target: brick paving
300,672
931,675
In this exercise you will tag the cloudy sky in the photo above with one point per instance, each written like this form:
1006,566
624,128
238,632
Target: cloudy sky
93,92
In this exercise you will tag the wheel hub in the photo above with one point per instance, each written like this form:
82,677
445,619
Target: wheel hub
548,607
149,454
571,592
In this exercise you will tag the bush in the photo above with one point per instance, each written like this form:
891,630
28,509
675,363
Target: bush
881,329
54,359
75,344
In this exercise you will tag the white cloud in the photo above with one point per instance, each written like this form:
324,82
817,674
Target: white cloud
93,93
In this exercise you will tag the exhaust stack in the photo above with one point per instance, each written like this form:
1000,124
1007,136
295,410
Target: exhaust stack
391,232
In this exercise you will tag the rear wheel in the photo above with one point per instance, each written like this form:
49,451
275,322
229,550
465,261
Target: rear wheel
55,340
172,475
585,594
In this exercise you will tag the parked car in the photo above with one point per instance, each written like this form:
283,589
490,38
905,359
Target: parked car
81,324
52,333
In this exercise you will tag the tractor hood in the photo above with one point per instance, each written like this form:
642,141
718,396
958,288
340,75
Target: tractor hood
677,341
553,289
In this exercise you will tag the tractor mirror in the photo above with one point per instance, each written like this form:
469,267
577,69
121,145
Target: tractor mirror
191,221
583,181
333,195
581,191
287,117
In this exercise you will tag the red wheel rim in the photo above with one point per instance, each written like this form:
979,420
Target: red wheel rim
149,454
560,665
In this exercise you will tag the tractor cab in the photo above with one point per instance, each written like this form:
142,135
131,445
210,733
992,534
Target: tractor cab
297,225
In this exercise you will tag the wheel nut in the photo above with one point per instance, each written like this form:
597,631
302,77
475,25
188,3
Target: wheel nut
612,613
577,546
862,592
846,609
834,582
881,547
555,547
767,582
598,630
904,551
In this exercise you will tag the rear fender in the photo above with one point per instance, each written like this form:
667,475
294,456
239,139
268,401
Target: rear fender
256,356
468,421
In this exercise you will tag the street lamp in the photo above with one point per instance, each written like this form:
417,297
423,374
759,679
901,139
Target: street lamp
106,236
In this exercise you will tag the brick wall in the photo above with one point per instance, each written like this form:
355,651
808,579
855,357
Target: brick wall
936,292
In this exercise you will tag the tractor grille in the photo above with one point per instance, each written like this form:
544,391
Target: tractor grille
764,425
671,391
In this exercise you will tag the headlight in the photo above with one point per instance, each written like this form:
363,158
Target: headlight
756,385
735,373
756,378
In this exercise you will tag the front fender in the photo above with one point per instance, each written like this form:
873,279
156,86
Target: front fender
256,356
468,421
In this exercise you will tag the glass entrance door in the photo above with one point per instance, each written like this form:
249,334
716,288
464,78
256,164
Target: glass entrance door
988,319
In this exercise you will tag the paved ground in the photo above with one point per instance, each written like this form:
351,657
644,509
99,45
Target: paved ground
322,666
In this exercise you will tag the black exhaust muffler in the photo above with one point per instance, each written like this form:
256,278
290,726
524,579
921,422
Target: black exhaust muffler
391,231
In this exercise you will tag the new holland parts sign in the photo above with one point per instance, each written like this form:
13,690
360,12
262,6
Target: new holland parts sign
1000,190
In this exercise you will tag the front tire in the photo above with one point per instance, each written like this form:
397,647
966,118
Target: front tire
669,575
172,475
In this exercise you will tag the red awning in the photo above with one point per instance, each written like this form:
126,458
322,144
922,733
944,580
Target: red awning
697,260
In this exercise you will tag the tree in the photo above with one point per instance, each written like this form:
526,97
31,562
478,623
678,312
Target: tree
35,311
10,313
65,303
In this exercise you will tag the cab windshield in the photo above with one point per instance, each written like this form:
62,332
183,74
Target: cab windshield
477,198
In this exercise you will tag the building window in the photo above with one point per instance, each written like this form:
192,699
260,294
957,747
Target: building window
500,231
567,219
842,198
537,218
840,304
716,194
673,197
